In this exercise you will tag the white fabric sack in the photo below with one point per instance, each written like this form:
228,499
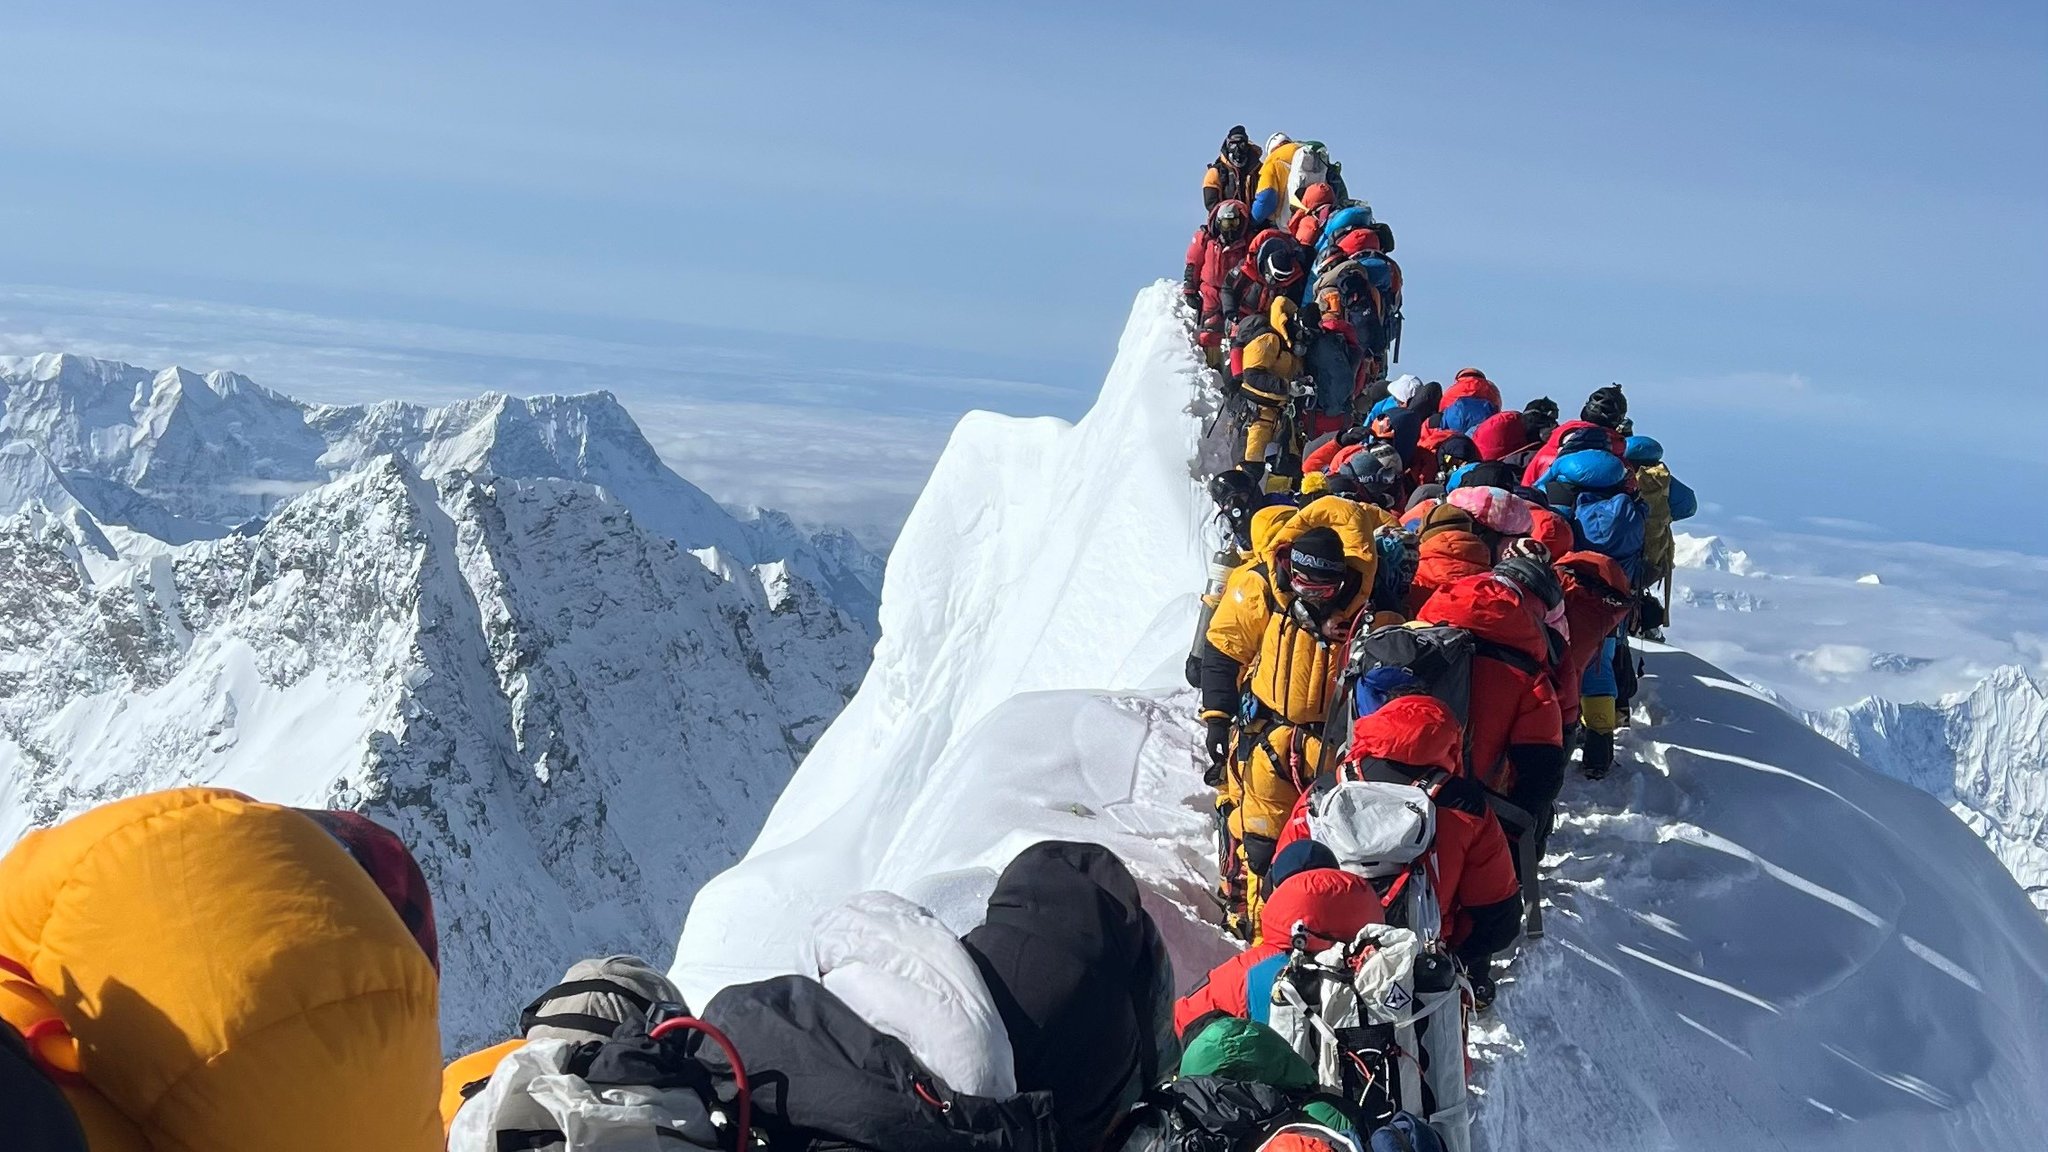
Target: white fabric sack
1374,827
529,1091
906,974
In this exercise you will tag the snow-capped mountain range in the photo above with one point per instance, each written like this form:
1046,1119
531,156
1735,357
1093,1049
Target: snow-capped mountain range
573,682
1756,941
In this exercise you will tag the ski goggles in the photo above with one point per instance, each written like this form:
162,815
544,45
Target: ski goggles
1316,587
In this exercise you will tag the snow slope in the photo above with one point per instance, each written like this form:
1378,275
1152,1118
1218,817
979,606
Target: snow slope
1757,941
1925,661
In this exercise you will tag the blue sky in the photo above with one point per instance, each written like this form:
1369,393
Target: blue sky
1812,238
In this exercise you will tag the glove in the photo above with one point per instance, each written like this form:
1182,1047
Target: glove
1218,745
1463,794
1194,302
1356,434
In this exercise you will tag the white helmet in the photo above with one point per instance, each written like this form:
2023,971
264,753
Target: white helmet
1276,140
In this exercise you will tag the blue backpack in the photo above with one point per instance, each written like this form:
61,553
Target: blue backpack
1614,524
1467,413
1405,1132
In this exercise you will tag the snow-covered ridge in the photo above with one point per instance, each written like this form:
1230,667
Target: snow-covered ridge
1756,941
178,457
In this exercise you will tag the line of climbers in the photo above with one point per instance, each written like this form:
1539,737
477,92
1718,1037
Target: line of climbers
1402,650
1294,287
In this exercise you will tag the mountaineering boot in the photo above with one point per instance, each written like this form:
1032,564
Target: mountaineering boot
1483,988
1598,750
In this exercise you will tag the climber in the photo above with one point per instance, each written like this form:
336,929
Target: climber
1274,647
1219,247
1318,201
1603,413
1415,739
1269,203
1346,308
197,969
1334,904
1234,174
1470,399
1514,729
1082,981
1265,364
1669,500
1274,267
1597,599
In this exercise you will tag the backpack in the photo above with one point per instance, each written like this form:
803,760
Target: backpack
1248,328
1614,524
1405,1132
1214,1114
1466,413
1381,1020
624,1094
1383,829
1311,165
1309,1138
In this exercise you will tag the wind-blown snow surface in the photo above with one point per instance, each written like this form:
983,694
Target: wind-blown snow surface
502,628
1925,661
1757,942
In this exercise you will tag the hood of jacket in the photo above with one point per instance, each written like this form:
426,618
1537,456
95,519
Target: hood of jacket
1418,731
1332,902
1500,434
1243,240
1238,1049
1353,522
1470,384
1493,610
1588,571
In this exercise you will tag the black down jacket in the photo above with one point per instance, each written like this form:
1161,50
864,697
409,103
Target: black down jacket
822,1078
1083,984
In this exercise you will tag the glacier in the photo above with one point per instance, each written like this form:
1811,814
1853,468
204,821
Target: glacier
1756,940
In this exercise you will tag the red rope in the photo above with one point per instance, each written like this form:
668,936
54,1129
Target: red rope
732,1056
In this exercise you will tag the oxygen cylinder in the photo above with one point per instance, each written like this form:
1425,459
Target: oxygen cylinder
1221,565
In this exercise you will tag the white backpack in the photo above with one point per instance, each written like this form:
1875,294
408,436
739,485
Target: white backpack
1383,831
533,1093
1311,166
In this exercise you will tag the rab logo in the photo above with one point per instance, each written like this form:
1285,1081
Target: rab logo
1396,998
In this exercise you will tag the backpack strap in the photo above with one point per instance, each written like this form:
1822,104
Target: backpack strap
1512,657
582,1022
